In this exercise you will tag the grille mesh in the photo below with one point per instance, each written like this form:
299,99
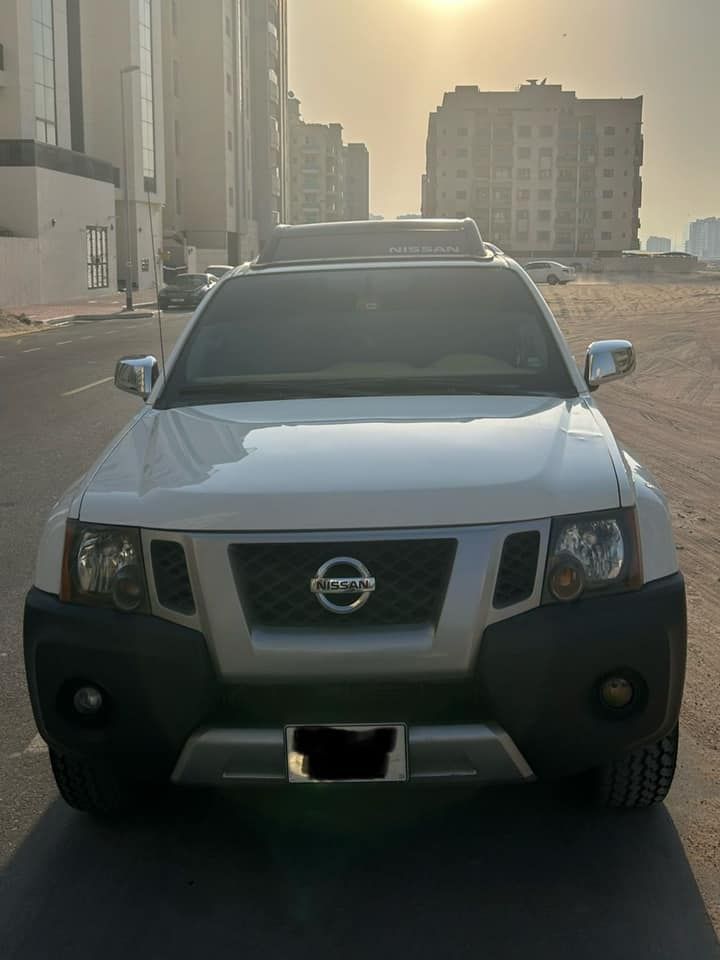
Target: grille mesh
411,579
518,566
172,581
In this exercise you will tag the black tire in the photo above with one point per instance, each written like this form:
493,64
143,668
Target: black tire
640,778
552,280
94,787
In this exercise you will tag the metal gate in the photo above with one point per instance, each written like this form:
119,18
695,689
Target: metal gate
97,257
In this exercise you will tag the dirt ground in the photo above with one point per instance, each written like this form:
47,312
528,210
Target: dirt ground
668,415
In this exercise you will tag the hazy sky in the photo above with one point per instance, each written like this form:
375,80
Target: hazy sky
380,66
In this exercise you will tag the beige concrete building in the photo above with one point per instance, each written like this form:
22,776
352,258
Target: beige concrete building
206,77
357,182
542,171
57,202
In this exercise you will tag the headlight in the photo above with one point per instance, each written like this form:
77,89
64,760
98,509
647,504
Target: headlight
591,553
103,566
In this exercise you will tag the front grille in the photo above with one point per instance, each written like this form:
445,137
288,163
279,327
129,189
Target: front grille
411,579
518,567
172,581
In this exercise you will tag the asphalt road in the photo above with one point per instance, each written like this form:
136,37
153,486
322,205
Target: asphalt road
502,874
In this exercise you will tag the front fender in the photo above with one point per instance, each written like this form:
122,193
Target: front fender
659,555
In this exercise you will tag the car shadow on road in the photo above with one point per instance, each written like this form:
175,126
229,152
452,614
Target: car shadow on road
304,872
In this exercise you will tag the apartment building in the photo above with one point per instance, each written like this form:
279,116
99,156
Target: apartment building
357,182
57,202
542,171
658,245
267,52
208,216
704,238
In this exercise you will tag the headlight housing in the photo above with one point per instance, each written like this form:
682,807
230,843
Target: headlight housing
592,553
103,566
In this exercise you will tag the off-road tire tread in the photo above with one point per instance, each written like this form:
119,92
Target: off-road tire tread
91,787
642,777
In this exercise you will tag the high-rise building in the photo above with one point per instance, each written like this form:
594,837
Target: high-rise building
704,238
267,51
209,215
542,171
57,183
357,182
658,245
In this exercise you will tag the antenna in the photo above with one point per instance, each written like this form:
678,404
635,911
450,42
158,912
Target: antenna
157,287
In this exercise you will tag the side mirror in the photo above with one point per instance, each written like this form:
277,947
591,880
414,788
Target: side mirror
136,375
607,360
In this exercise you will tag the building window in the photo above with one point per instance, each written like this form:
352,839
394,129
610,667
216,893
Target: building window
544,194
609,172
523,215
523,173
606,235
462,131
230,139
544,215
546,131
44,71
609,152
98,275
523,153
228,27
462,174
461,152
543,236
174,16
231,196
524,131
461,194
607,194
606,214
178,196
177,136
147,102
274,86
523,195
502,173
228,83
545,174
609,131
545,152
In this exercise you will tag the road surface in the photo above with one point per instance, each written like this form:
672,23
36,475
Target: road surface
503,874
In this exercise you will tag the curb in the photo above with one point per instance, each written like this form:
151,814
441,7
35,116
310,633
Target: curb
144,311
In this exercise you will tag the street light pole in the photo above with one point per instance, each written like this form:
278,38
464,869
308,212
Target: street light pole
126,180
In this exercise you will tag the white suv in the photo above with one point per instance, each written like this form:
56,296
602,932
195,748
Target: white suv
377,531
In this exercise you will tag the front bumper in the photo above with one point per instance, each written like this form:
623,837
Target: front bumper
529,706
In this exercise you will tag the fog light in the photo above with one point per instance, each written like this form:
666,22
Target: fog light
88,701
566,580
617,692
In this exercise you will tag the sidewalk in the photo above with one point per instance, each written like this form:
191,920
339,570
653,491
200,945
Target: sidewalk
97,306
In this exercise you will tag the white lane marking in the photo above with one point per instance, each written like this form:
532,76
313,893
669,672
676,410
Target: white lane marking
86,338
36,747
61,343
31,350
88,386
2,358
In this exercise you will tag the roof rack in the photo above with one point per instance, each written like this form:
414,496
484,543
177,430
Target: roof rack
374,240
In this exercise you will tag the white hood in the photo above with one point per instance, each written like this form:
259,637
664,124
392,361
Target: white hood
341,464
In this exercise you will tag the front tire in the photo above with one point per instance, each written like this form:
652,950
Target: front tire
640,778
552,280
94,787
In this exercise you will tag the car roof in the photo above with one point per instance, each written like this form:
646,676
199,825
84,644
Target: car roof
373,240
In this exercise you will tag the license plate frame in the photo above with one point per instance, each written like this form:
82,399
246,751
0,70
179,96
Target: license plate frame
299,765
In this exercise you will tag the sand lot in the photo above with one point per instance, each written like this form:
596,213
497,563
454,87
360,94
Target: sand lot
668,415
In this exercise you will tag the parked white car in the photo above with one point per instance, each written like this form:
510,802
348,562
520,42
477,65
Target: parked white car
550,271
378,531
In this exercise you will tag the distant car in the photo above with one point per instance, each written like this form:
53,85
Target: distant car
186,290
219,270
549,271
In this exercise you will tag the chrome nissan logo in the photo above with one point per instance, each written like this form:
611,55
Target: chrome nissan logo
324,585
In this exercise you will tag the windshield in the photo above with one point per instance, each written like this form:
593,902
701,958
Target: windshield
190,280
370,332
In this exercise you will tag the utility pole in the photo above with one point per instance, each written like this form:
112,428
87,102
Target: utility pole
126,182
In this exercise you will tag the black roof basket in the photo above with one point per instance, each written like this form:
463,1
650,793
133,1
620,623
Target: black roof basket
374,240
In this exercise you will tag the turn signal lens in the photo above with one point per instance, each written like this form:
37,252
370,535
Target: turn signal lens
566,579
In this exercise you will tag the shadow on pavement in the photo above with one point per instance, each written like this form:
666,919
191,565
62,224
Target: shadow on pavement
371,873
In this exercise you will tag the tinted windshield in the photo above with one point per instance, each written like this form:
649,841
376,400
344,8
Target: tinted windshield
190,280
399,330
